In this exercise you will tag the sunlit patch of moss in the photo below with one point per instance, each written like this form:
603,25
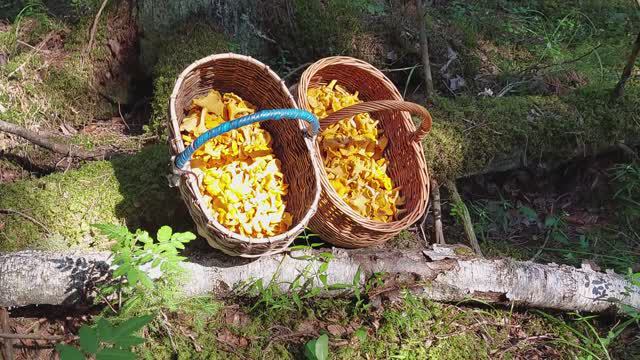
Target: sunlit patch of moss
458,347
57,84
72,94
174,53
129,190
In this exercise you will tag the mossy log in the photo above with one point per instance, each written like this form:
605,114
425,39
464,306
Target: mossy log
32,277
475,135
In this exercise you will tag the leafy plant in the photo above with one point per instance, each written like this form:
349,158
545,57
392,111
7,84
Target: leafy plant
139,259
626,177
529,213
317,349
303,287
457,211
590,344
105,341
140,262
556,225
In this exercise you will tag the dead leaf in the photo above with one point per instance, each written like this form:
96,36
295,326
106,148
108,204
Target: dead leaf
89,128
115,47
67,129
234,316
308,327
336,330
234,341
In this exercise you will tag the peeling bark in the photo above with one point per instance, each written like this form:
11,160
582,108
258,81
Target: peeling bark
32,277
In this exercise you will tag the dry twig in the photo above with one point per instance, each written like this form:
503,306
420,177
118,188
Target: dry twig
437,212
35,50
94,27
11,211
295,70
424,47
626,73
465,217
37,337
165,325
42,140
7,351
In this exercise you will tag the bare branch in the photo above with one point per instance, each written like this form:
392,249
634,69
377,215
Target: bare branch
424,47
618,91
94,26
42,140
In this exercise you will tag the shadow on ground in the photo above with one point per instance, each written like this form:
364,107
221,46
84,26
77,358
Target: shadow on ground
55,212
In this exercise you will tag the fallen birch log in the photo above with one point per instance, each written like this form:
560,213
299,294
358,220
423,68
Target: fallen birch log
32,277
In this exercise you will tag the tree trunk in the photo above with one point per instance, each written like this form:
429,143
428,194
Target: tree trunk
424,47
32,277
626,73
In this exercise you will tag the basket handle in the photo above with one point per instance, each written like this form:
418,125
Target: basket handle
183,158
380,105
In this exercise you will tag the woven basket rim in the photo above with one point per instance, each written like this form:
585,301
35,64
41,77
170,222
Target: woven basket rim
286,237
388,227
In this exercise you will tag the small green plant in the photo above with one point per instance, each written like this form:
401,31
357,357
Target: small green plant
556,226
362,304
317,349
626,177
138,259
140,263
105,341
591,345
303,287
457,211
32,8
490,216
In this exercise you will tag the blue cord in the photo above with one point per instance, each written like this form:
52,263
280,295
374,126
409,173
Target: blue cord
277,114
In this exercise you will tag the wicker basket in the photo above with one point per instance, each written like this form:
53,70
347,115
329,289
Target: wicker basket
335,221
256,83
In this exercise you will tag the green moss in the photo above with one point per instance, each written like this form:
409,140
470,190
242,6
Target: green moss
463,251
405,240
458,347
59,83
129,190
471,134
174,53
324,27
410,328
500,248
72,95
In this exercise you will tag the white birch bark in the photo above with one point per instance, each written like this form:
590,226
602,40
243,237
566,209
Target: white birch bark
32,277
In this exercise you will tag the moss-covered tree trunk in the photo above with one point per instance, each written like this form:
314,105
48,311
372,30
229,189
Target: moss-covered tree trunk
238,19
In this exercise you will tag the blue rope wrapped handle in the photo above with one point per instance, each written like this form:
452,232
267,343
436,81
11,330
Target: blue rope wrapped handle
184,157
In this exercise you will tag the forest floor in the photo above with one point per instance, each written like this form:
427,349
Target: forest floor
518,82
